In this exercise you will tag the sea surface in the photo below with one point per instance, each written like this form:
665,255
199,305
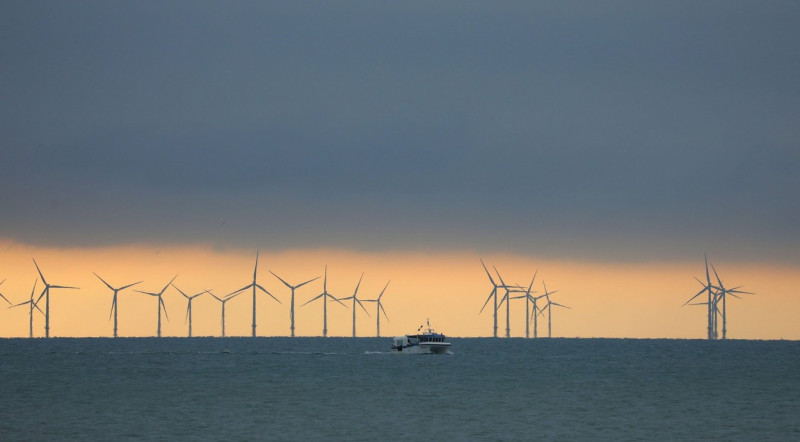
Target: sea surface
317,389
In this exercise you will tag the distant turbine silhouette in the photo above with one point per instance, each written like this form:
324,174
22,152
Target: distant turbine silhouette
709,289
509,289
356,301
324,295
189,305
549,307
160,302
223,301
722,294
293,288
534,313
32,305
3,296
378,309
528,300
46,294
114,301
254,285
492,294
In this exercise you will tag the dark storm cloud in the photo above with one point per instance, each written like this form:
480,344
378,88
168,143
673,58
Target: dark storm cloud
629,130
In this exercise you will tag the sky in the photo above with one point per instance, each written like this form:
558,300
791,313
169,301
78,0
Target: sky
621,140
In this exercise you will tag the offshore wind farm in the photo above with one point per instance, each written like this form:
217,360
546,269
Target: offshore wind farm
537,304
217,217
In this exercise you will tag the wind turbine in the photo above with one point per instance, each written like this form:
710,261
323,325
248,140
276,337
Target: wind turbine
114,301
3,296
189,305
722,294
293,288
549,307
46,294
356,301
324,295
528,299
223,301
160,302
255,285
707,288
492,294
505,299
33,305
379,309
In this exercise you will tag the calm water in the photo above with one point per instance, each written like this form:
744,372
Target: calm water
352,389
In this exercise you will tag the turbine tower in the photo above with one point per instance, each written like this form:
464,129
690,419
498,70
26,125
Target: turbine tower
293,288
33,305
46,294
223,301
160,302
378,309
492,294
356,301
549,307
114,301
324,295
255,285
189,305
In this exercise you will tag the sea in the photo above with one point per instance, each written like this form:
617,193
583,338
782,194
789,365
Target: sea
354,389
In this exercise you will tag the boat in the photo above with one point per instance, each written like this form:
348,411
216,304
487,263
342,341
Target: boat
427,342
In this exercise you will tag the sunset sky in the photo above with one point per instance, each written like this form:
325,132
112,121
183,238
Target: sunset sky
606,146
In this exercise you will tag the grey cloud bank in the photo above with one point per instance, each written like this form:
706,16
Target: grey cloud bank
628,130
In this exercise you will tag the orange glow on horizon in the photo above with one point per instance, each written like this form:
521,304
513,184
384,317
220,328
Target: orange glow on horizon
606,299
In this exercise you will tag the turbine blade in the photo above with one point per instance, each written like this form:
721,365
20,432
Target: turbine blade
337,300
494,290
384,311
362,307
63,287
270,294
104,281
165,307
281,279
166,286
44,290
502,300
487,272
233,295
500,277
255,269
560,305
698,294
40,272
384,289
130,285
240,290
304,283
113,305
717,276
180,291
358,285
34,288
314,299
6,299
532,280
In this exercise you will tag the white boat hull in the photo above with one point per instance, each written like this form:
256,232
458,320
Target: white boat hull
425,348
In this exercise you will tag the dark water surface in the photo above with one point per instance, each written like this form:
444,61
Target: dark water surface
353,389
